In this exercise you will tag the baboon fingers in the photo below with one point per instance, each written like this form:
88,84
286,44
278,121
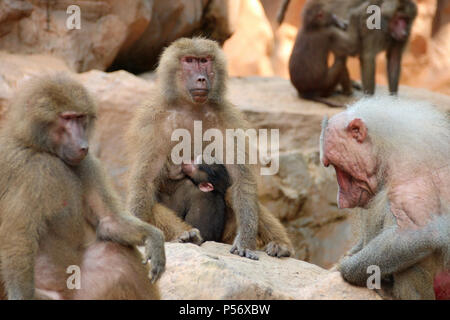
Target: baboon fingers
192,236
156,272
247,253
278,250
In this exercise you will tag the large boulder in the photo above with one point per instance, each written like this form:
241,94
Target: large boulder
252,27
171,20
14,69
35,26
212,272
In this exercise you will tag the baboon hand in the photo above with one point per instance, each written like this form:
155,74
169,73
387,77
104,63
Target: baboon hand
192,236
240,249
278,250
154,251
349,271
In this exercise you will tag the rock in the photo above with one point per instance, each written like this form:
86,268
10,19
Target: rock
171,20
251,59
211,272
40,27
16,68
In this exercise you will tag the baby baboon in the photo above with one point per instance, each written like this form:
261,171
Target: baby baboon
197,195
57,208
322,32
191,87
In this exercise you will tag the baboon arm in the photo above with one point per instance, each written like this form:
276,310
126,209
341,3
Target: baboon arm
395,250
367,61
31,201
343,43
347,42
394,59
112,222
17,254
145,170
168,221
244,203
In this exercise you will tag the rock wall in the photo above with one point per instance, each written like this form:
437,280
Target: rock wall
113,33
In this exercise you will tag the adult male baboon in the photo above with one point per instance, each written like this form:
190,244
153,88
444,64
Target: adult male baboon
397,17
192,80
57,209
392,158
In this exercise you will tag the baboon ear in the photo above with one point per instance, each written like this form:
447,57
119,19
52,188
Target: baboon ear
357,129
206,187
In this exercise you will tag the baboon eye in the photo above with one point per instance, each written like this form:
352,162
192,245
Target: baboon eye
189,59
203,60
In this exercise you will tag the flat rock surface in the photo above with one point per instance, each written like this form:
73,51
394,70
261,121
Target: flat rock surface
211,272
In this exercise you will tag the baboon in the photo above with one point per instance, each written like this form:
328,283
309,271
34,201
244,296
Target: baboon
191,87
392,159
308,65
397,17
196,192
57,208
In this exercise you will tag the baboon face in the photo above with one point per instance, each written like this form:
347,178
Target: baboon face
316,17
399,27
69,136
197,77
347,148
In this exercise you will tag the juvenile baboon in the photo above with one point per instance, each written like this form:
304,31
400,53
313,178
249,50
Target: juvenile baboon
196,192
392,158
397,17
308,65
191,87
57,208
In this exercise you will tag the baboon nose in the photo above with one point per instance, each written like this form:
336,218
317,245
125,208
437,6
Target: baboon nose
201,79
84,150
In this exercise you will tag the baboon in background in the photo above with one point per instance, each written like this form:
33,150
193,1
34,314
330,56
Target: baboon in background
57,208
392,159
308,65
397,17
192,80
196,192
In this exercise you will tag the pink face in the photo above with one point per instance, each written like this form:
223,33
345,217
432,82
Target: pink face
197,76
69,136
398,27
348,150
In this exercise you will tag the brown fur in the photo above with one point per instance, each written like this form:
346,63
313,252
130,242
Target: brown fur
308,64
53,215
368,43
371,42
172,108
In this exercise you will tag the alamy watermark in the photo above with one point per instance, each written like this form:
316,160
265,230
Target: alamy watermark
373,21
374,280
238,145
74,20
74,280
